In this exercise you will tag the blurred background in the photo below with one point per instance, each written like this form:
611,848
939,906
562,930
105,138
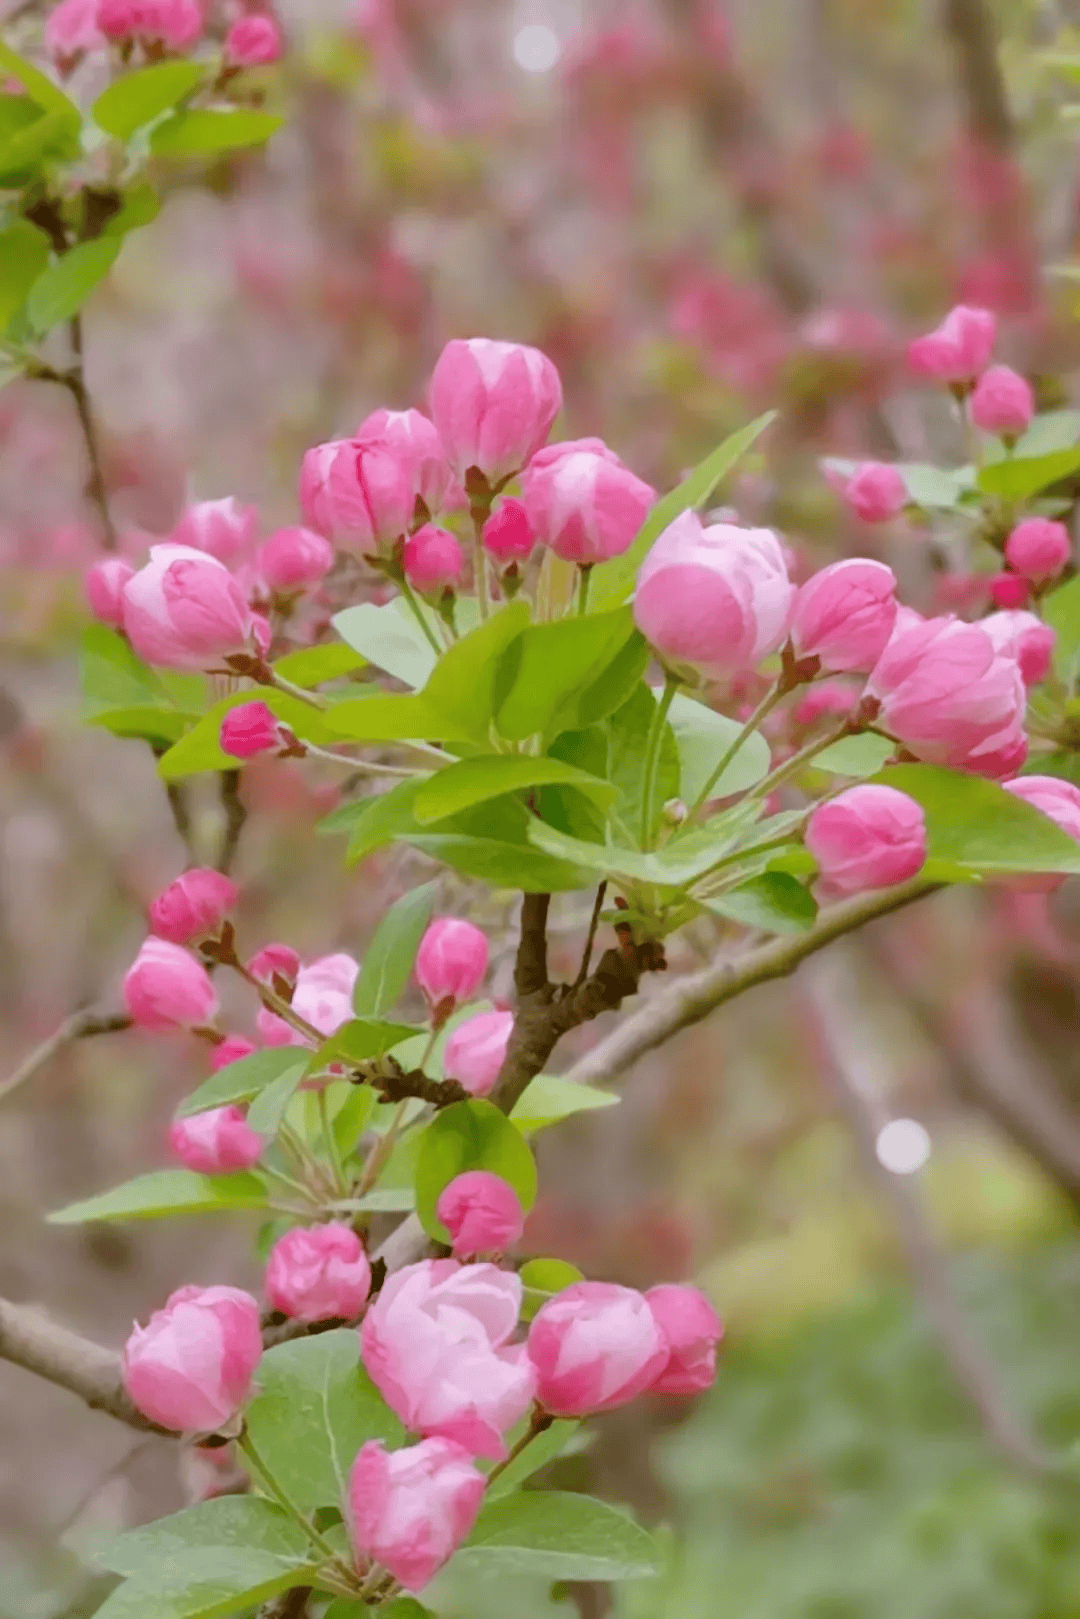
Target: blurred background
699,210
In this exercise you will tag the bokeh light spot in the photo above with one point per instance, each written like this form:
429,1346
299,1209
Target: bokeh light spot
536,48
903,1146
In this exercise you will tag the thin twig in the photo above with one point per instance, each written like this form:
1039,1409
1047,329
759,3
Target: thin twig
74,381
594,923
235,818
79,1026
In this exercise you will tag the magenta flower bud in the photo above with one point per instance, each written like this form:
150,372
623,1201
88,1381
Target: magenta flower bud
493,405
718,597
1002,402
318,1273
165,988
411,1509
217,1142
1037,548
582,503
411,438
476,1051
222,528
174,23
482,1213
184,610
451,961
820,701
195,904
104,582
845,614
253,42
190,1368
507,535
951,698
359,495
1058,799
869,837
692,1330
275,960
594,1346
70,29
875,492
294,558
1024,637
434,560
274,1031
1008,590
324,990
248,729
958,349
231,1049
435,1342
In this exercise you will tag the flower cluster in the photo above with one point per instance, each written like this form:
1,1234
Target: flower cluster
76,27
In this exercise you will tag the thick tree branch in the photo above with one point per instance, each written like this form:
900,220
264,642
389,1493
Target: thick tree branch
29,1340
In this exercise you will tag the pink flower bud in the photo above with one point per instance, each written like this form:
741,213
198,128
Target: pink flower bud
476,1051
323,993
1038,548
1058,799
230,1050
184,610
359,496
294,558
692,1330
1002,402
195,904
411,1509
253,42
482,1213
595,1345
507,535
830,697
273,1031
1024,637
190,1368
222,528
869,837
318,1273
279,960
958,349
845,614
493,405
951,697
1008,590
175,23
104,582
451,961
716,597
875,492
215,1143
248,729
71,28
582,503
165,988
412,440
434,560
435,1344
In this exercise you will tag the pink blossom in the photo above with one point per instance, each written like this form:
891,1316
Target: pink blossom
411,437
190,1368
507,535
275,961
411,1509
249,729
294,558
583,503
222,528
476,1051
493,405
104,582
482,1213
1024,637
1058,799
71,28
868,837
822,699
1009,591
692,1330
165,988
359,495
176,23
217,1142
184,610
958,349
434,560
875,492
718,597
323,993
193,905
253,41
594,1346
435,1344
451,961
232,1049
1002,402
1038,548
318,1273
845,614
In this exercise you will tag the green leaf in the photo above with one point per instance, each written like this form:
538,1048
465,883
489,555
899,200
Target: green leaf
40,89
353,1118
976,825
388,959
159,726
316,1408
382,818
359,1041
561,1537
139,98
1016,479
539,1451
200,133
547,1099
774,902
64,286
390,638
246,1521
241,1080
314,665
140,206
396,718
670,868
115,681
268,1109
200,750
502,864
475,781
210,1583
703,737
165,1192
554,664
1053,430
1062,612
933,487
470,1135
47,137
542,1279
613,581
470,681
24,253
861,756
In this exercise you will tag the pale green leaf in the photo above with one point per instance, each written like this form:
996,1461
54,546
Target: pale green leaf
470,1135
139,98
560,1536
390,638
64,286
388,959
202,133
474,781
166,1192
547,1099
241,1080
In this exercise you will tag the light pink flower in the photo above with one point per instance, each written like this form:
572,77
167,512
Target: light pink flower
71,28
411,437
184,610
1038,548
411,1509
275,960
323,993
222,528
176,23
451,961
692,1330
845,614
294,558
582,502
493,405
1002,402
875,492
195,904
253,42
190,1368
958,349
434,560
482,1213
507,535
217,1142
594,1346
231,1049
318,1273
165,988
1022,636
868,837
104,582
249,729
476,1051
1058,799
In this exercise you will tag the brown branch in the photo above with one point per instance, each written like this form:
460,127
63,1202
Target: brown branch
971,30
235,818
75,382
79,1026
29,1340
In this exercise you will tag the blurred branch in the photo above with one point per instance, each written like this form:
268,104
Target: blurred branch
75,382
235,817
830,999
79,1026
29,1340
971,30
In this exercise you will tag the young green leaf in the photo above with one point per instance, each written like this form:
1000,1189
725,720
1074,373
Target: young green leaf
202,133
388,959
860,756
395,717
268,1109
1016,479
244,1079
539,1451
976,825
555,662
210,1583
24,253
390,638
561,1537
64,286
139,98
200,750
475,781
469,682
1062,612
774,902
500,863
703,737
247,1521
353,1118
165,1192
548,1099
470,1135
314,665
359,1041
376,821
542,1279
41,90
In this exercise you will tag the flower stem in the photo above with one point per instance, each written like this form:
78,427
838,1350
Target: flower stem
767,704
312,698
652,756
479,517
367,765
540,1423
585,572
277,1493
380,1152
417,613
332,1152
793,765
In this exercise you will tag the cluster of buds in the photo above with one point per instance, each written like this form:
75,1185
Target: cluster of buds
75,28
